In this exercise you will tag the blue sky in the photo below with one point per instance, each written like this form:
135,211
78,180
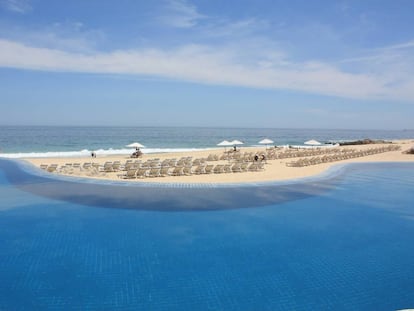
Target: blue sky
262,63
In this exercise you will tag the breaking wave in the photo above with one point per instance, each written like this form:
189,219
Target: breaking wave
99,152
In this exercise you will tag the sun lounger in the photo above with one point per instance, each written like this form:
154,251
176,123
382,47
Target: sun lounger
236,168
209,169
227,168
254,167
218,169
116,166
200,169
244,167
86,166
154,172
165,171
129,174
187,170
178,171
142,172
52,168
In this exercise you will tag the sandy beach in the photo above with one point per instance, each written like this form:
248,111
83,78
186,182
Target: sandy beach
273,169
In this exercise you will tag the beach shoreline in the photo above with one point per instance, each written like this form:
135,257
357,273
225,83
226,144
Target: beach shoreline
274,169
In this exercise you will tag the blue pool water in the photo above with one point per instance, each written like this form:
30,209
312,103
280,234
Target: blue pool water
342,241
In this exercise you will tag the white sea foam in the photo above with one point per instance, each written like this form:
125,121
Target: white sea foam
99,152
312,147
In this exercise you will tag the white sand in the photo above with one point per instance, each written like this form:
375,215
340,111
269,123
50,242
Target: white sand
274,169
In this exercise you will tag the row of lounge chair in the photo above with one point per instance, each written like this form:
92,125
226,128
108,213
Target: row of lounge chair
151,163
274,154
108,167
144,172
71,168
235,157
341,156
154,167
295,153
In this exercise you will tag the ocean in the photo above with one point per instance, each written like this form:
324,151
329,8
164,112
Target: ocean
54,141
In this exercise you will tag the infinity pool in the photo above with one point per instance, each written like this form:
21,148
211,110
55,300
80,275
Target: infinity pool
342,241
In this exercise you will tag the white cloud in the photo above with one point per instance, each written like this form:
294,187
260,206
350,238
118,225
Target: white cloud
239,28
386,54
394,63
405,45
205,64
67,36
18,6
180,14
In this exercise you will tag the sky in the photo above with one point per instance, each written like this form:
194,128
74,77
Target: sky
234,63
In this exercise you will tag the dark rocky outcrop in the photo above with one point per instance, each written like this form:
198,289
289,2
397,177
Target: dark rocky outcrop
364,142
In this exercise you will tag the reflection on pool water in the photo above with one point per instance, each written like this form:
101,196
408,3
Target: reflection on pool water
342,241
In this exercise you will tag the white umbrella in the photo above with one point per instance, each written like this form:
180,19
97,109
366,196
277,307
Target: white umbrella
266,141
135,145
225,143
312,142
236,142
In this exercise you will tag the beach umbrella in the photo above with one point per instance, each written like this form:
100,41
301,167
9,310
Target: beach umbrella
266,142
235,143
225,143
312,142
135,145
